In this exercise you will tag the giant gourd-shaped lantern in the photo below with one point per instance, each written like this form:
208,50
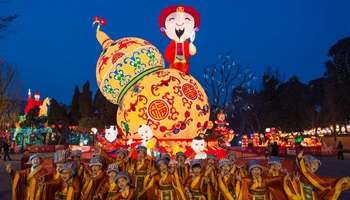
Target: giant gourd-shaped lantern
153,102
123,62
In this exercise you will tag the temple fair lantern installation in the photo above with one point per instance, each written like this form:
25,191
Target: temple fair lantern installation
291,141
222,131
256,139
245,141
158,107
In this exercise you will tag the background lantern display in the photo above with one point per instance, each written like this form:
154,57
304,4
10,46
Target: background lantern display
291,141
245,141
256,139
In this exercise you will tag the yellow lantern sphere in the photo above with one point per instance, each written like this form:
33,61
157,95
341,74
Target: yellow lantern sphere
173,105
122,63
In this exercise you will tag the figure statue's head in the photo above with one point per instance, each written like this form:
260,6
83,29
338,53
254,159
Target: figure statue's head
123,179
36,159
255,168
198,144
196,166
179,22
37,96
274,164
111,133
312,163
112,170
145,132
221,115
67,171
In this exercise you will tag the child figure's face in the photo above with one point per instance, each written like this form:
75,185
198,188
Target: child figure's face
226,168
211,161
179,25
256,172
181,159
95,168
66,175
112,174
313,166
274,168
120,156
76,159
232,158
141,154
196,170
36,161
59,165
163,167
122,182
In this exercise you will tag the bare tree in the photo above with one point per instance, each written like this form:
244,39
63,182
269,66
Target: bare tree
5,23
10,83
223,79
10,92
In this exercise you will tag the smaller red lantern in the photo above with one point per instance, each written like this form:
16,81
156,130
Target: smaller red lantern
32,135
60,126
8,124
17,124
53,125
46,125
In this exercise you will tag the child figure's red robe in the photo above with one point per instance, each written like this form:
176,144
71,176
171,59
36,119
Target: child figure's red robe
126,194
258,190
108,190
328,188
165,186
196,186
183,172
228,187
173,50
56,190
211,172
276,194
122,166
92,185
139,169
53,175
29,176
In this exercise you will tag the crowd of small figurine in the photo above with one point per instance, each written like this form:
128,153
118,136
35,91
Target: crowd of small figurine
153,178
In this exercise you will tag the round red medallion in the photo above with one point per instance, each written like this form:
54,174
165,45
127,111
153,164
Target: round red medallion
189,91
158,110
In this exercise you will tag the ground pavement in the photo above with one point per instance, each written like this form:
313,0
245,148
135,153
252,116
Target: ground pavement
331,166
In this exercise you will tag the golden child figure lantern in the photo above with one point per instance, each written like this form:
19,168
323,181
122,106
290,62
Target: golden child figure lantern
155,104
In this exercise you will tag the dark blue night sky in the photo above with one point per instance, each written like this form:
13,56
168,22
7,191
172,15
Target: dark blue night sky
55,45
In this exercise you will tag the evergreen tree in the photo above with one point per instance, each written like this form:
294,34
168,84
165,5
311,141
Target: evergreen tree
104,110
290,116
74,114
85,101
338,70
55,114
